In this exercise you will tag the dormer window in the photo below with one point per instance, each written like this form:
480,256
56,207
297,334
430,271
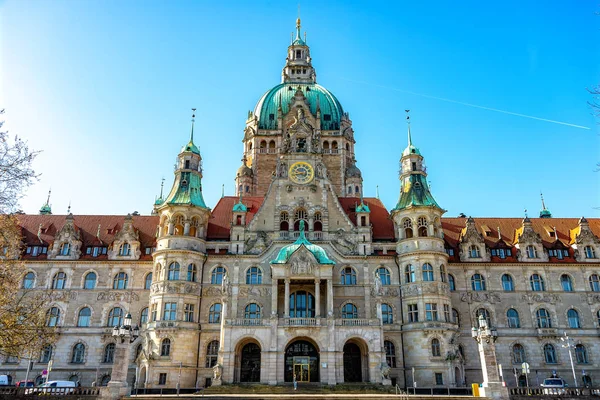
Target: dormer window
65,249
34,251
327,117
474,252
125,249
531,252
589,252
271,117
95,251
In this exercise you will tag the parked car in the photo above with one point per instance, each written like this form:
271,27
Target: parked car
5,380
554,386
65,387
25,384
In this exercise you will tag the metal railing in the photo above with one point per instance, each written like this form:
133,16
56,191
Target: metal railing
165,390
439,391
546,391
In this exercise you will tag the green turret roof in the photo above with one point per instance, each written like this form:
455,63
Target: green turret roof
240,207
286,252
191,147
362,207
187,190
416,193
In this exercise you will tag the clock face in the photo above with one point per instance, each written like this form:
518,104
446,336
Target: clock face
301,172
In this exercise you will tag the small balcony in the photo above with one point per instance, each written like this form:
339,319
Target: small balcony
357,322
247,322
300,321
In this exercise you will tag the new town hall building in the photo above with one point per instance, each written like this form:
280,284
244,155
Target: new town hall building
299,274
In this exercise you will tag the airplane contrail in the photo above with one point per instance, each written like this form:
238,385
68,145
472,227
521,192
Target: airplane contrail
468,104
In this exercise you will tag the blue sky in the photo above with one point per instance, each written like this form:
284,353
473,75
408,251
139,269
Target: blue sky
104,90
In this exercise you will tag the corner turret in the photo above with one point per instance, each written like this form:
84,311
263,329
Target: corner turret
298,64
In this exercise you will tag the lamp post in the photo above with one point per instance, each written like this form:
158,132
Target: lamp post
567,343
486,336
118,379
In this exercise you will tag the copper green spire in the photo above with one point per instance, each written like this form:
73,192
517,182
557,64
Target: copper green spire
191,146
410,149
46,208
545,213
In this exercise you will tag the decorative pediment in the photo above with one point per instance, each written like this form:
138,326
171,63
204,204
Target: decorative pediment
472,244
470,234
67,242
126,245
526,234
302,262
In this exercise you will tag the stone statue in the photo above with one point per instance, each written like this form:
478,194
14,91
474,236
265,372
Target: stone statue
225,284
217,373
385,371
377,286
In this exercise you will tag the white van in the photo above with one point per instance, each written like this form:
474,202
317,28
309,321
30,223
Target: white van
5,380
53,387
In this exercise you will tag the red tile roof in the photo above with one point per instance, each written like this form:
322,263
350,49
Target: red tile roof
383,227
220,222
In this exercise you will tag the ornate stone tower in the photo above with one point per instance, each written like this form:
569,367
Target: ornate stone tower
285,113
430,330
172,333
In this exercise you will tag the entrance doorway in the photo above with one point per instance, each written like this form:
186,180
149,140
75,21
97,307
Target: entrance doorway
301,360
352,363
250,363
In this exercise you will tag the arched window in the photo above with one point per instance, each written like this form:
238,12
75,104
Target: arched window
589,252
144,315
427,272
348,276
573,318
474,252
29,280
65,249
212,352
317,222
477,282
531,252
252,311
53,316
349,311
59,280
408,231
435,348
254,276
566,282
90,281
581,354
422,226
443,273
512,316
518,352
284,221
84,317
537,283
214,314
299,215
390,353
46,354
148,281
165,347
507,283
455,316
384,276
120,281
115,317
109,353
410,273
173,271
451,282
595,283
191,273
549,354
543,318
125,249
387,314
486,315
216,278
78,353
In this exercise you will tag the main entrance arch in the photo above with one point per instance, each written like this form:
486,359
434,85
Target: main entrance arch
249,366
302,360
356,362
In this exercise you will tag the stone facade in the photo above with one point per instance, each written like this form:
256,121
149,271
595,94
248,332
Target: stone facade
301,276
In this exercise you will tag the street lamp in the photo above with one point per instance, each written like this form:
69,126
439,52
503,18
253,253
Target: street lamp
567,344
126,330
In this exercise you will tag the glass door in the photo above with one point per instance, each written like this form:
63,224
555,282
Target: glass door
301,369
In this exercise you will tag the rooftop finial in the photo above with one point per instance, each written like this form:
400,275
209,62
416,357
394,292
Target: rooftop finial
545,213
408,123
162,185
48,199
298,25
222,190
543,205
377,191
193,120
46,208
69,208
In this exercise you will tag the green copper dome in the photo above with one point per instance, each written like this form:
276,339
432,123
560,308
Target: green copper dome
282,94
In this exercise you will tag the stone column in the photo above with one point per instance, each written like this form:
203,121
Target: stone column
286,302
330,298
492,385
317,298
118,385
274,296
